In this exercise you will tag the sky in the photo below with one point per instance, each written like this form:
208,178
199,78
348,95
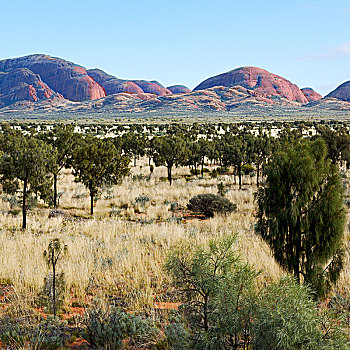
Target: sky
185,42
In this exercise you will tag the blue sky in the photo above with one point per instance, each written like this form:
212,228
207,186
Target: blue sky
185,42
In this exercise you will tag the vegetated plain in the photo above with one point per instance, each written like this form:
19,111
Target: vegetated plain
117,256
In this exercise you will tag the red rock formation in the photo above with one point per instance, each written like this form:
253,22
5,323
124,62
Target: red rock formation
113,85
258,80
22,84
66,78
178,89
152,87
311,94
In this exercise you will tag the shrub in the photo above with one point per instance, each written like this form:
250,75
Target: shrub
221,189
108,328
287,318
214,174
177,335
217,289
142,199
208,204
248,169
222,170
50,333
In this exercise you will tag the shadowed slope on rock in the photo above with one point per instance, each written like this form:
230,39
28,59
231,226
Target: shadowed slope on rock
256,79
21,84
114,85
179,89
342,92
62,76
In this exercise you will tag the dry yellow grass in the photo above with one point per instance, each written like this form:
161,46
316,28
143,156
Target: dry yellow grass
113,256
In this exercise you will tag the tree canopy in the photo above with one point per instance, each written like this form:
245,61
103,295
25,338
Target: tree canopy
301,213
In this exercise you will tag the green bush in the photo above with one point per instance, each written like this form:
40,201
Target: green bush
287,318
217,289
107,329
49,334
222,308
222,170
214,174
208,204
177,335
248,169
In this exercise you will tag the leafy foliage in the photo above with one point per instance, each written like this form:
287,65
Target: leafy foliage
27,159
108,328
208,204
97,162
301,213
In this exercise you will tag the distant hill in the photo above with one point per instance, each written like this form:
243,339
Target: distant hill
44,84
258,80
342,92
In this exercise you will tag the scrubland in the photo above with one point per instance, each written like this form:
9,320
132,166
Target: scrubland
118,255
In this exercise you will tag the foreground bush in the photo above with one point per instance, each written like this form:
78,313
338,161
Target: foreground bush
20,333
286,318
223,309
208,204
106,329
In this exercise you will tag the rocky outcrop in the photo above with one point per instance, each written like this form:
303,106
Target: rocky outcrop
342,92
63,77
311,94
152,87
179,89
21,84
258,80
114,85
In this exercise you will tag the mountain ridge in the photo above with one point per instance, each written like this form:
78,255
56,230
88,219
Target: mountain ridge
41,82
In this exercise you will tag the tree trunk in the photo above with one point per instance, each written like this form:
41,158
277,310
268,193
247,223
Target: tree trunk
240,177
202,171
257,173
297,247
169,174
91,201
53,283
55,191
24,204
135,158
205,314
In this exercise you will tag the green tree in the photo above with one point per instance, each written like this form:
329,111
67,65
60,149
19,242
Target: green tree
260,151
338,143
133,145
25,164
237,152
97,162
169,151
62,138
301,213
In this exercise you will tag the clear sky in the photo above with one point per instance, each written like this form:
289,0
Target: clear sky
185,42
